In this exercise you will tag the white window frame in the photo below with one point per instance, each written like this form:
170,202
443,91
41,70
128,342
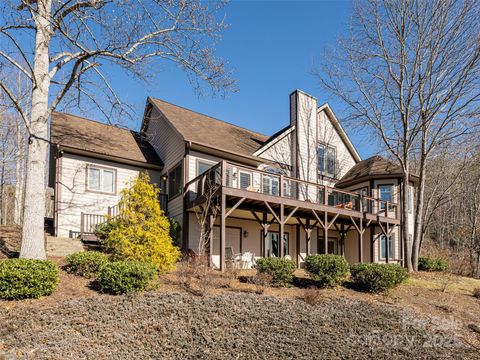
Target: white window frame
101,169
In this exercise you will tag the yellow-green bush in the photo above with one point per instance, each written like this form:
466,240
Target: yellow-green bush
142,231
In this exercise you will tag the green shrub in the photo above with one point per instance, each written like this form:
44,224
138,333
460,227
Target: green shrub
281,270
327,269
27,278
86,263
378,277
123,277
432,264
103,230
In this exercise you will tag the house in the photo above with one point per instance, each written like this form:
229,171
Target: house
302,190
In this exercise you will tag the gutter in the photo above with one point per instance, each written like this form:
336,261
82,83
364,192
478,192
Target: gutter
117,159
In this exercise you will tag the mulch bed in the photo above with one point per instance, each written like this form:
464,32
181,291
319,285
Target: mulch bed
227,326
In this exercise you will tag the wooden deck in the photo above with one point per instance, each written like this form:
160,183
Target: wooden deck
286,200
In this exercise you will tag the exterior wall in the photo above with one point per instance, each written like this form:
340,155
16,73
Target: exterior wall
327,134
280,151
73,198
170,147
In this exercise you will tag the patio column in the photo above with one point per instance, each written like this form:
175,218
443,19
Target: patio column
223,220
325,234
265,226
282,231
360,242
308,236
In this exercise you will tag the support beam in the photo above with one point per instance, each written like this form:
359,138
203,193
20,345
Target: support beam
325,233
282,230
223,235
265,226
232,209
272,212
211,221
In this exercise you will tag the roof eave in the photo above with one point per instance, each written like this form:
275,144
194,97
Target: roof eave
117,159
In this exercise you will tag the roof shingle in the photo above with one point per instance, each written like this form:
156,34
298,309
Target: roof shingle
373,167
205,130
87,135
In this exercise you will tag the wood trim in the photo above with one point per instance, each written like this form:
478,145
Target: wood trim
90,165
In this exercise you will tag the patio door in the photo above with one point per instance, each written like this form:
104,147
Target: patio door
332,245
272,244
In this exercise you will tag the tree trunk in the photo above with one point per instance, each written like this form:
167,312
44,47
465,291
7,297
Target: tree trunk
404,223
34,209
418,216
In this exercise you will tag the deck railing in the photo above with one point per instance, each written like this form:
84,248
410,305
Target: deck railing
258,181
90,222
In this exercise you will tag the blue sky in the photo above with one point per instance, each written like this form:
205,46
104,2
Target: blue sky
272,46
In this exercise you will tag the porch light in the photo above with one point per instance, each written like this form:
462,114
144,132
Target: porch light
245,233
164,177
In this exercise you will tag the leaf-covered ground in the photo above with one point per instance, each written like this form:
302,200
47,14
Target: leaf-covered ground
224,326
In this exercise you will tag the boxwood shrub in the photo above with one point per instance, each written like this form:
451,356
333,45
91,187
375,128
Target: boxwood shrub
377,277
281,270
327,269
87,263
432,264
27,278
123,277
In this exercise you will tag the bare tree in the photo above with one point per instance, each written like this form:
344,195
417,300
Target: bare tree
68,49
409,72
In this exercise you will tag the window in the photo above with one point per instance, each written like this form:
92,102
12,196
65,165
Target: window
272,244
245,180
384,193
326,160
101,179
270,185
383,247
175,181
203,166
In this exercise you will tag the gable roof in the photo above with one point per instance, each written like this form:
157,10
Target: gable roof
373,167
343,135
79,134
208,131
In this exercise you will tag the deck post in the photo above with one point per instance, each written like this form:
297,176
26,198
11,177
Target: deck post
360,241
325,232
282,230
223,234
211,221
308,235
343,239
387,244
265,226
297,245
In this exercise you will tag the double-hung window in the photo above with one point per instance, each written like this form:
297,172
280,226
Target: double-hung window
101,179
326,160
383,247
385,194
